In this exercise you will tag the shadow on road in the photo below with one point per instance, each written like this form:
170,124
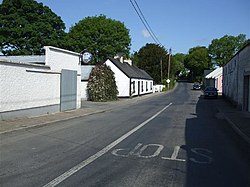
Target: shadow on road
213,156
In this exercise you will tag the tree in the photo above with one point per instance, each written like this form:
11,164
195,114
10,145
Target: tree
26,26
134,58
177,64
108,37
101,85
150,58
222,50
197,61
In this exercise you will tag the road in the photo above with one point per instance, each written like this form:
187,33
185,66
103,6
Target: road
173,139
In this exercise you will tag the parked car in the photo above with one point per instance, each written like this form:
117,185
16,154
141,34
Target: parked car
196,86
211,92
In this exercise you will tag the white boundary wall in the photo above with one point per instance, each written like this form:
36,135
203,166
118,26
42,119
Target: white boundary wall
158,88
58,59
28,89
25,86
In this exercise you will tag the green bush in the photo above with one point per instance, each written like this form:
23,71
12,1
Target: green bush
171,84
101,85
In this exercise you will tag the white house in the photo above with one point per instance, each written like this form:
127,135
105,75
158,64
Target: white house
214,78
236,79
130,80
35,85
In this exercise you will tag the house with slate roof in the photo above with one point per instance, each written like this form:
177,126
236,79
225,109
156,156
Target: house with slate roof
130,80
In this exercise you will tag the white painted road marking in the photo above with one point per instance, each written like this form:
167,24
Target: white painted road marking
116,152
176,159
139,154
203,154
91,159
174,155
156,153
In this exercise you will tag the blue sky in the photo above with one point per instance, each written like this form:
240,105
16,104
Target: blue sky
179,24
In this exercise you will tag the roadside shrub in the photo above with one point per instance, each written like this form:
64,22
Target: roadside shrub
101,85
171,84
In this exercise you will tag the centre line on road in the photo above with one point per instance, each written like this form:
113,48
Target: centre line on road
92,158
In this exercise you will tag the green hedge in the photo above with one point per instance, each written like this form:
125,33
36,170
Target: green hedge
101,85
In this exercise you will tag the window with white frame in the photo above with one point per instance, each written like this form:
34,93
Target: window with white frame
133,87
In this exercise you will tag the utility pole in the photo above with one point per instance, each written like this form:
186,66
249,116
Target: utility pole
169,56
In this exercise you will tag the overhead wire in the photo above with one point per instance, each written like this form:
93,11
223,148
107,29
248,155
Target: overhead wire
144,21
147,22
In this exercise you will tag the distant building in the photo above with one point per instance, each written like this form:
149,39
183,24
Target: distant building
236,79
214,79
130,80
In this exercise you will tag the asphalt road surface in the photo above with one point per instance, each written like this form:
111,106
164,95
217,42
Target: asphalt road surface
173,139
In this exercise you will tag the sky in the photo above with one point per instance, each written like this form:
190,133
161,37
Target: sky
178,24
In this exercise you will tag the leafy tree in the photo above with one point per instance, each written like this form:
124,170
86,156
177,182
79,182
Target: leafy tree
222,50
26,26
177,64
108,37
102,85
149,59
197,61
134,58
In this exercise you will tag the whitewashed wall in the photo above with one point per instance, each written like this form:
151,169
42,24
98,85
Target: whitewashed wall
158,88
25,86
58,59
28,89
122,81
84,90
145,86
233,76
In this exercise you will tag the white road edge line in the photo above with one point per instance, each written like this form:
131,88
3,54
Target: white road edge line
92,158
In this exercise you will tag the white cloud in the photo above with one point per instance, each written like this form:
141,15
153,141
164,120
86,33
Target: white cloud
145,34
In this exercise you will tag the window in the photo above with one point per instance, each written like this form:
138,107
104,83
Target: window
133,87
147,86
142,86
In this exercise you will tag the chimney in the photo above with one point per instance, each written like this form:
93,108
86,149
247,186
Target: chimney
128,61
119,57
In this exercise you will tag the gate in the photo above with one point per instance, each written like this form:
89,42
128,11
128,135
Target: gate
68,95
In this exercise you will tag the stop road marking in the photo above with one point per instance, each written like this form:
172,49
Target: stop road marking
140,149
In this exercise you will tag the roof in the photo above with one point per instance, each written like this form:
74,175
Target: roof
238,52
36,59
130,70
214,74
